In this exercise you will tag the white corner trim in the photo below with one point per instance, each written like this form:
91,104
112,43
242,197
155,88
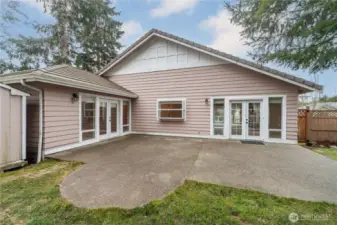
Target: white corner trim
24,127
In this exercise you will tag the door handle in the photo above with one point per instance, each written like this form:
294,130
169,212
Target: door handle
246,121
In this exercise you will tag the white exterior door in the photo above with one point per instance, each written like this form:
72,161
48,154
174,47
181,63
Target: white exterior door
245,118
108,118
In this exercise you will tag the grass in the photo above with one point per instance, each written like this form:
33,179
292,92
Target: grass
329,152
31,196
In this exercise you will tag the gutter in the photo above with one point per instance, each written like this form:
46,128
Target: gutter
39,153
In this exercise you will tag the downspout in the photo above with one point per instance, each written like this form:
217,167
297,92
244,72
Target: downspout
40,156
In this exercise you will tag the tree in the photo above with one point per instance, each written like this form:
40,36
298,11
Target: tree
9,15
85,34
326,98
294,33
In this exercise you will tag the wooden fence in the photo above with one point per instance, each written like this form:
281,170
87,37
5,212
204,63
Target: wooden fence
317,125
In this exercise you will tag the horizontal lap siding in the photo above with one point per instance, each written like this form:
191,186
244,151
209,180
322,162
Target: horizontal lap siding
197,84
61,117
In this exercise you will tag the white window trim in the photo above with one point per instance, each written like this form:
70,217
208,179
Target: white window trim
264,118
183,109
212,118
121,117
98,100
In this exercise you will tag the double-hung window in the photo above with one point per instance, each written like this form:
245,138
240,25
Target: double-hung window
171,109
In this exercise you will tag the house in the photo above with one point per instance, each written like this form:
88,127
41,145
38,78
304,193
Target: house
12,127
162,85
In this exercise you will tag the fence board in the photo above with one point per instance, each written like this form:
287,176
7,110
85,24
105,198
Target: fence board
317,125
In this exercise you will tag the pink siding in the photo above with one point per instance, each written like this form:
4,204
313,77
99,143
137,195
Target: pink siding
196,84
61,117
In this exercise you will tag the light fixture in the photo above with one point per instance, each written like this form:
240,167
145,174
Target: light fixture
74,97
206,100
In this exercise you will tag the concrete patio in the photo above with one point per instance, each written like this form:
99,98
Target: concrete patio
136,169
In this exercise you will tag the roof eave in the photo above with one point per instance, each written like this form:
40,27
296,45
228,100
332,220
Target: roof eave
62,82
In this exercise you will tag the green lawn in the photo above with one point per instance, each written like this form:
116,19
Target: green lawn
32,196
329,152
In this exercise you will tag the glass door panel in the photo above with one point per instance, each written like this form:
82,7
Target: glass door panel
218,116
126,116
253,119
103,118
236,119
113,117
88,118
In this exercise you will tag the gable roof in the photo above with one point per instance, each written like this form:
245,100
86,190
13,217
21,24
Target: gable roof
216,53
69,76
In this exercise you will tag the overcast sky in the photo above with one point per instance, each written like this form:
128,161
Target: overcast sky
202,21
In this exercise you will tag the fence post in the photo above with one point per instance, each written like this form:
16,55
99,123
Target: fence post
306,124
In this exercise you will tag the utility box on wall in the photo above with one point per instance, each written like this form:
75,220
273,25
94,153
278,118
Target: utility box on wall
12,127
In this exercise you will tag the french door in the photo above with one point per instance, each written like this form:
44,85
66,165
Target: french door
245,120
108,118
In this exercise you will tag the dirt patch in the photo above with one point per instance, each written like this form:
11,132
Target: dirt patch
35,174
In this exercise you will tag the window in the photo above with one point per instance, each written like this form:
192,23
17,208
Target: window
171,109
88,118
275,117
126,116
218,116
236,118
103,118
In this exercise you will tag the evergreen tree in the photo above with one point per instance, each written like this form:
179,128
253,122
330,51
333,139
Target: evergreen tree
85,34
293,33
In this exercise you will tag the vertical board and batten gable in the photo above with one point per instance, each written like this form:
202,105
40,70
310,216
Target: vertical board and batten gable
159,54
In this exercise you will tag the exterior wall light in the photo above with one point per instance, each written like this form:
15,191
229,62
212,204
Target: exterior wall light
74,97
